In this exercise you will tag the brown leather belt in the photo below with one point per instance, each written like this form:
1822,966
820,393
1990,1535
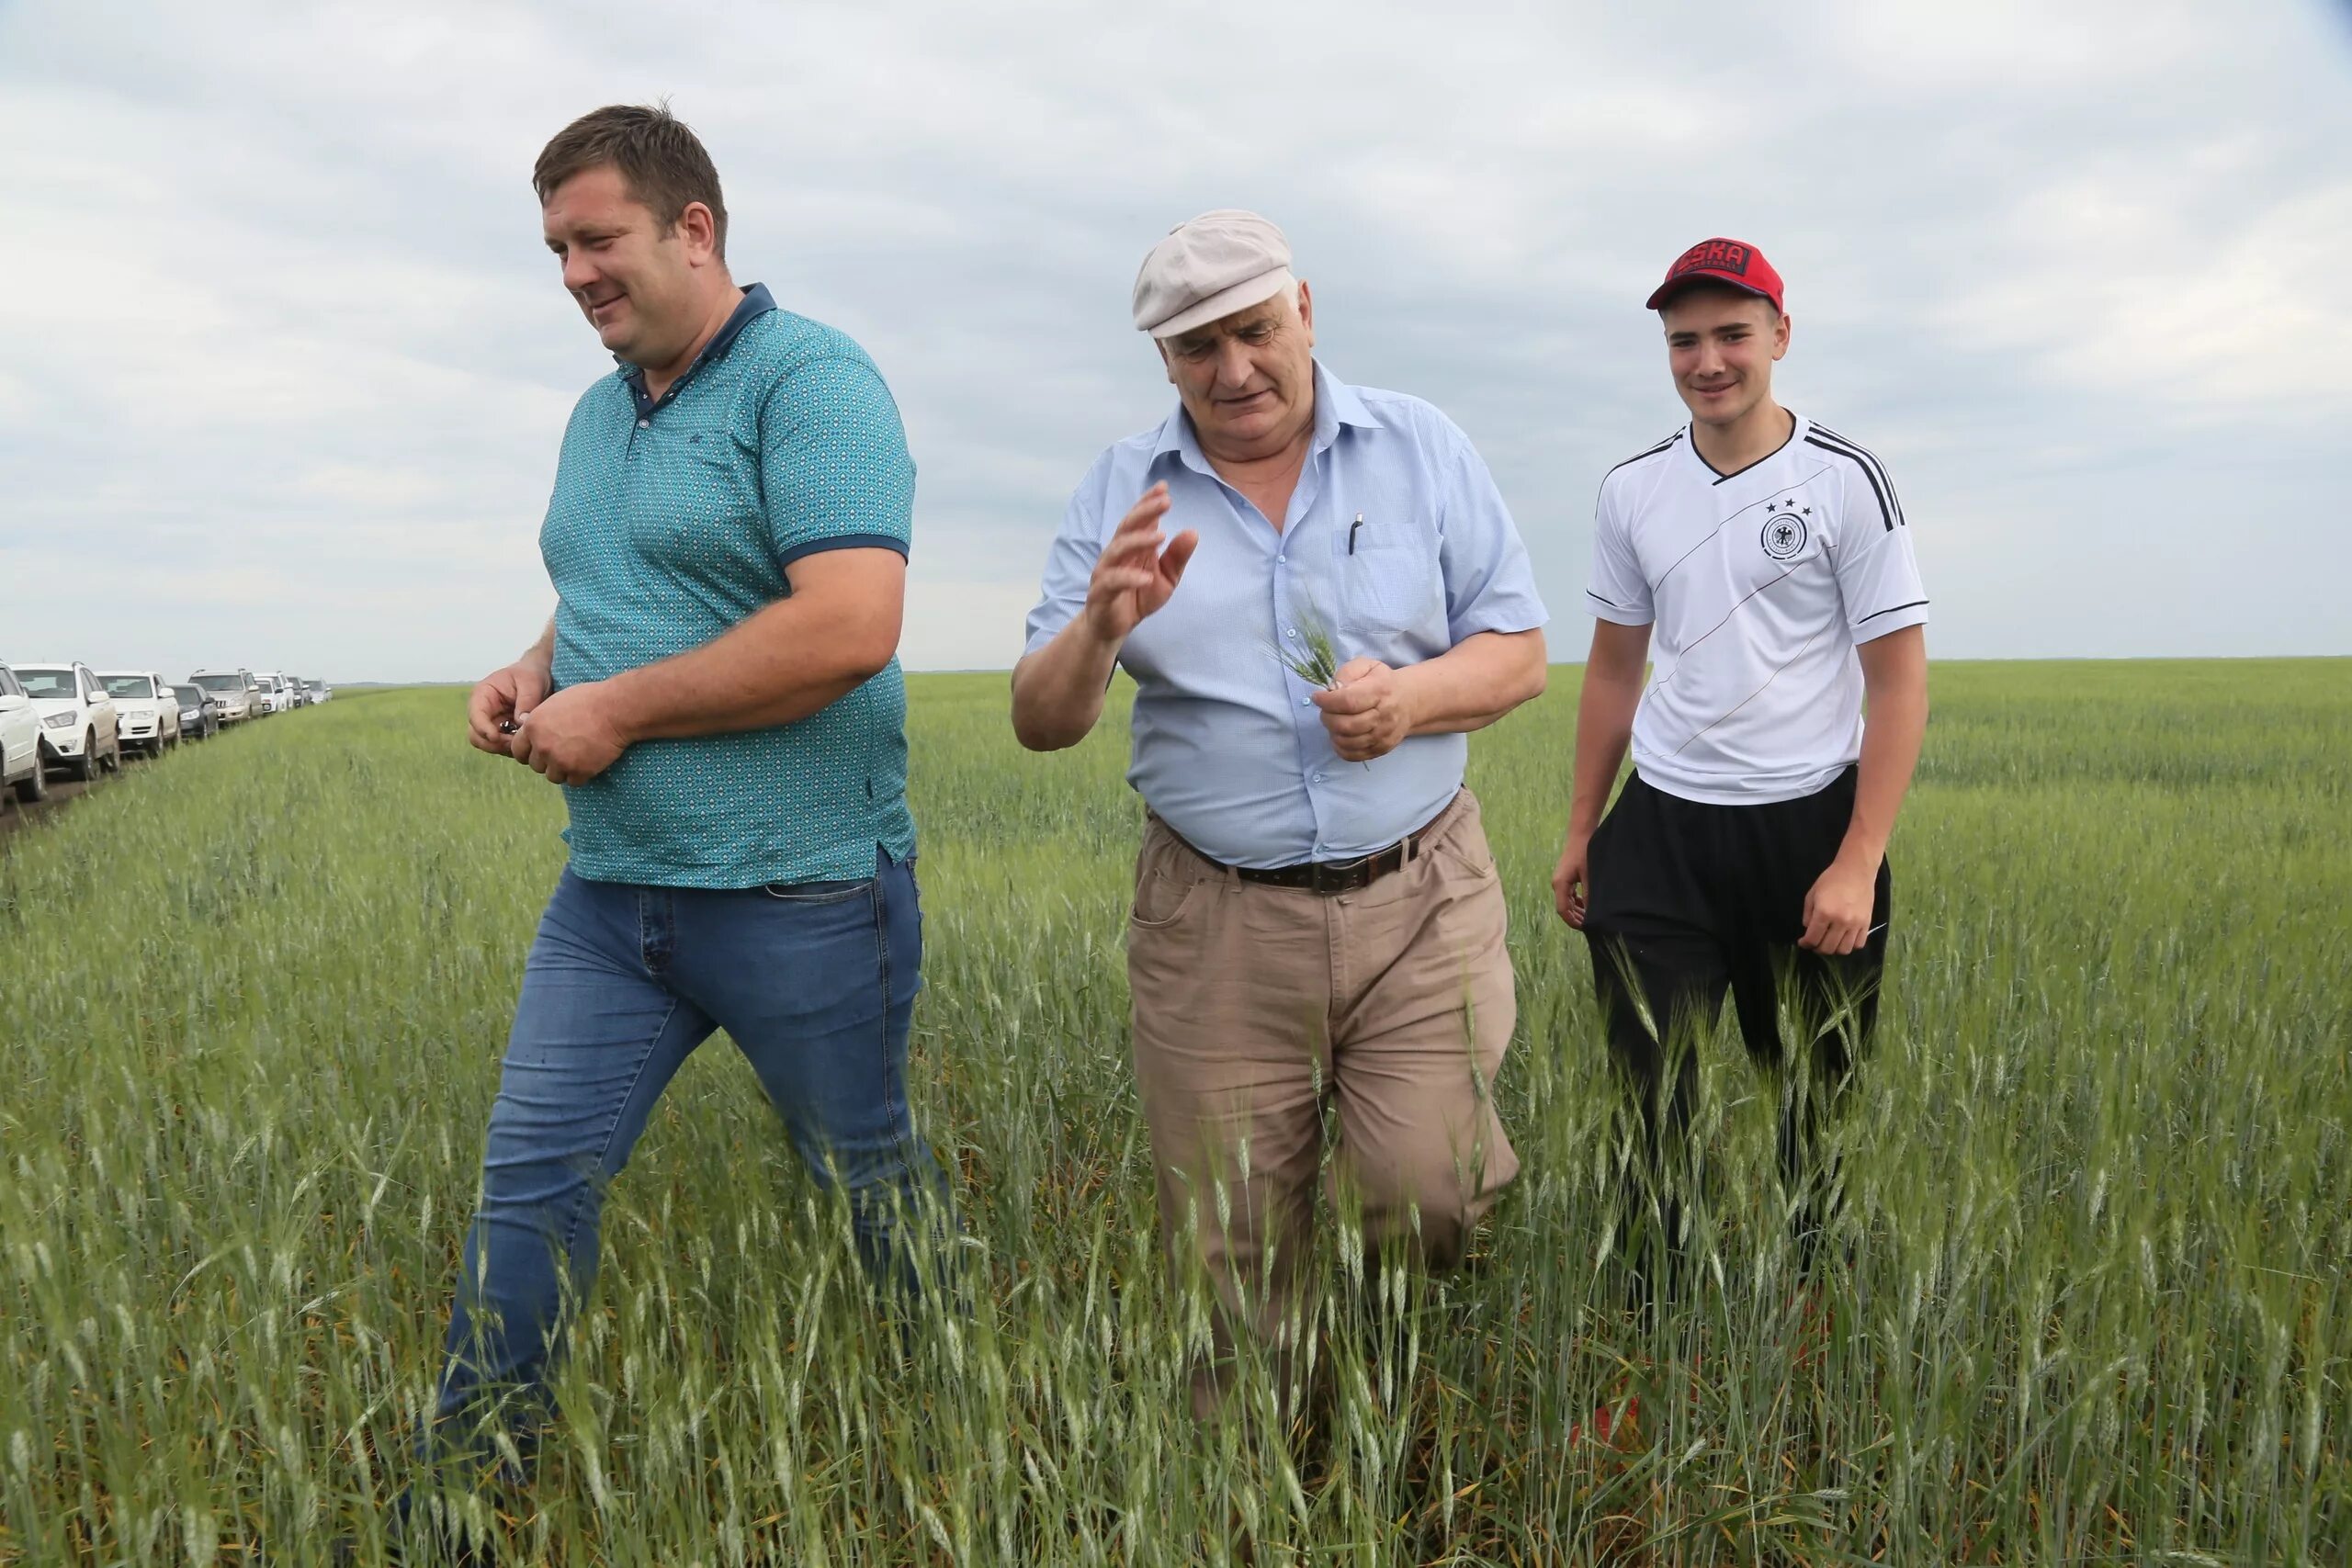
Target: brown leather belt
1329,876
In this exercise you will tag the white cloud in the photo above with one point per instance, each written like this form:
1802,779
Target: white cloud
2009,44
274,274
2115,288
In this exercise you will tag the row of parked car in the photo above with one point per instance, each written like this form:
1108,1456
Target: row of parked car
69,718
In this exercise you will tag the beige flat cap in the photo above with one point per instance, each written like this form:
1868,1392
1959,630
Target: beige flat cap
1210,266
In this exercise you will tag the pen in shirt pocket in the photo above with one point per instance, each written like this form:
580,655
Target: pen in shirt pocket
1352,528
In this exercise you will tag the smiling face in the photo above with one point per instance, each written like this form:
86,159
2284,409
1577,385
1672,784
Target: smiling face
640,284
1248,380
1721,344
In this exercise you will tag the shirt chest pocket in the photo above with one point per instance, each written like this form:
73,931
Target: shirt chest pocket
695,494
1390,588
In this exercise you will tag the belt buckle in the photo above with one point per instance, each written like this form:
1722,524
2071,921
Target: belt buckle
1328,877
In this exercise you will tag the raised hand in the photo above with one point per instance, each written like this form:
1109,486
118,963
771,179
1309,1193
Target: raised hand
1134,575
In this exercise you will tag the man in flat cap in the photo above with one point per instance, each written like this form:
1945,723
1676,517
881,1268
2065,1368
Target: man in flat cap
1317,923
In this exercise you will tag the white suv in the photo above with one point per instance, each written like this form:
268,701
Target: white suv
144,709
21,768
77,723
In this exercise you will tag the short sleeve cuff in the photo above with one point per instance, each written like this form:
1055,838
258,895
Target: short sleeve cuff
1894,618
1616,614
844,542
1049,620
1505,613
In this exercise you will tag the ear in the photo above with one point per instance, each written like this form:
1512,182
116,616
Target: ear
1167,363
700,230
1781,336
1306,310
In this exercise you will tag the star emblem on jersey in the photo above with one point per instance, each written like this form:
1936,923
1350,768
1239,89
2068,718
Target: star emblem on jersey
1784,529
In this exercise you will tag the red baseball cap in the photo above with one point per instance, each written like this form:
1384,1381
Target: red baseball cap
1734,262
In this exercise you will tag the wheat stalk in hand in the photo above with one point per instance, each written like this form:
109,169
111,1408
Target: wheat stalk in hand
1317,663
1317,659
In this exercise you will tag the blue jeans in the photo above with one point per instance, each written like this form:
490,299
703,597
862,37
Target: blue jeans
815,983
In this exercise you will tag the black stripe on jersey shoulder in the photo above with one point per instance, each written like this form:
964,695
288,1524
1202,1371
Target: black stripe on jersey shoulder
1664,445
1867,456
1881,480
1886,510
1874,615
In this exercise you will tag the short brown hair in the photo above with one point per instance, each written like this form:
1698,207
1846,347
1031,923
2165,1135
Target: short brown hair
663,162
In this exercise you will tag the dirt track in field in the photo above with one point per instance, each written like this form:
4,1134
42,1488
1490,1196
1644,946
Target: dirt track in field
15,814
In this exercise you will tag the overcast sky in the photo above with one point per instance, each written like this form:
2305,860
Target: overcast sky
286,362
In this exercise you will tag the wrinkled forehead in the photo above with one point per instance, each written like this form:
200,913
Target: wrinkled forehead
1266,312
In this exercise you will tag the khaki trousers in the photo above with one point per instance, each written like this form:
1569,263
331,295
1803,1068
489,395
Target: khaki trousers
1255,1008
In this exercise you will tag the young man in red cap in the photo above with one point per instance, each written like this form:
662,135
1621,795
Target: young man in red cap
1764,561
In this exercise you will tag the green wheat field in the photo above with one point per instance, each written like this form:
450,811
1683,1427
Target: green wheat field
2096,1307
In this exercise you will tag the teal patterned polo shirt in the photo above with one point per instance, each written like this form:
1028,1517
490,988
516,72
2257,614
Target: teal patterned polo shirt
673,520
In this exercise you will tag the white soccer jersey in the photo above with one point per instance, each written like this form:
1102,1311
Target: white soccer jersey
1760,583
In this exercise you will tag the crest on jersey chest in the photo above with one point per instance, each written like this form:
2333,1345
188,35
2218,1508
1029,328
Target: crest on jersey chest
1788,524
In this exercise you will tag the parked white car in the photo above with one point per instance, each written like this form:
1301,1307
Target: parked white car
232,688
21,768
77,723
272,686
146,712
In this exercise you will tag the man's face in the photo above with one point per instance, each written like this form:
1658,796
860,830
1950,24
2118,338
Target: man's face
635,283
1248,380
1721,345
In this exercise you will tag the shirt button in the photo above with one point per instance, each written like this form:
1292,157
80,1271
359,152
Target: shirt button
1306,702
1280,560
1318,778
1290,631
645,424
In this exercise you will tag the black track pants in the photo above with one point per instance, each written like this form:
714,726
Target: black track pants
1685,901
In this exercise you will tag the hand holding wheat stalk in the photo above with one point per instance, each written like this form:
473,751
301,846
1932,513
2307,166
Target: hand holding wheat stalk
1317,659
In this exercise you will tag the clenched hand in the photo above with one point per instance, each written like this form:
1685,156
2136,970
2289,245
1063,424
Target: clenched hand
1837,908
572,736
505,697
1370,712
1571,879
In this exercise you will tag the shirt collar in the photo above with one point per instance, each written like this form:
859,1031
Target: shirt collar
1336,403
756,302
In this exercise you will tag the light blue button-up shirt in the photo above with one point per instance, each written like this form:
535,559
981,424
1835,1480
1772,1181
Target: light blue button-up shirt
1397,540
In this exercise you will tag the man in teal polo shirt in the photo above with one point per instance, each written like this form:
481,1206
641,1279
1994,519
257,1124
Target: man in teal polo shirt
719,696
